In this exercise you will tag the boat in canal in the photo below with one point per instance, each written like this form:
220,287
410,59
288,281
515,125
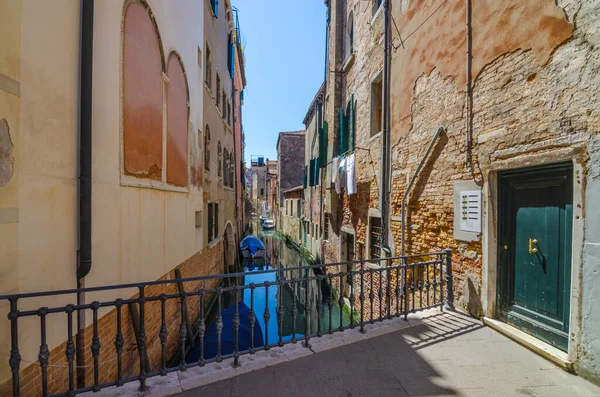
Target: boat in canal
268,224
252,247
248,336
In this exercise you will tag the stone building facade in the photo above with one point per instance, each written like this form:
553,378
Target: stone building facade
315,151
290,163
153,177
515,95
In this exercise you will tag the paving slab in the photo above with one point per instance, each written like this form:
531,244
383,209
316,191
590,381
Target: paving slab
437,354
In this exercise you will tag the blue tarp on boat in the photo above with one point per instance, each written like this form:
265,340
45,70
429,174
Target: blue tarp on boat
252,244
228,334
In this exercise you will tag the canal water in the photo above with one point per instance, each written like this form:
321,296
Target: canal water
279,254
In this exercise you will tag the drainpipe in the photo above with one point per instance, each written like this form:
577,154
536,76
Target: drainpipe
468,104
84,257
85,139
412,181
385,145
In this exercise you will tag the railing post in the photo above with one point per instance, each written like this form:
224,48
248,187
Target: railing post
307,308
141,340
449,288
15,357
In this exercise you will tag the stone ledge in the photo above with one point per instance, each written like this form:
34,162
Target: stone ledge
543,349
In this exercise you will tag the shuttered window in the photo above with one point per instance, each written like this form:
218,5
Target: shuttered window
214,4
343,132
211,223
323,140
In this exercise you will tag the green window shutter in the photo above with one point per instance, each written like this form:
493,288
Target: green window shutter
305,177
343,133
317,170
311,172
351,124
323,144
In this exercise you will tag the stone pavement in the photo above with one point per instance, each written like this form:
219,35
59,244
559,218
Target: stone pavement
440,355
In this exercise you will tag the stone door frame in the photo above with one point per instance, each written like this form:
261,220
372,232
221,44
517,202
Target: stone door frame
489,242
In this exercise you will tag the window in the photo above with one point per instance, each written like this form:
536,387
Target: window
177,123
224,108
326,227
226,167
207,148
349,43
230,55
298,208
347,122
211,222
376,5
218,93
376,106
149,150
375,238
262,191
199,57
220,160
216,218
228,112
214,5
208,77
231,170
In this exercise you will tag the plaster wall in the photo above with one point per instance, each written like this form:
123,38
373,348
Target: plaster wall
216,32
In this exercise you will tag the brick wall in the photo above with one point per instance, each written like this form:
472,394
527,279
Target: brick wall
208,261
531,104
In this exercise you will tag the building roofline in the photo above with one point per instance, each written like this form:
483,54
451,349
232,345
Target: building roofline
294,189
317,99
288,133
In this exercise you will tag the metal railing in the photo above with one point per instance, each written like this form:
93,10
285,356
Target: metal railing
394,288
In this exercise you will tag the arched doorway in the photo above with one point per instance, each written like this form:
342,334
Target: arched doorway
230,246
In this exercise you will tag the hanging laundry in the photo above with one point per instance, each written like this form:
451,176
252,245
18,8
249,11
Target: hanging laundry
341,180
350,175
334,169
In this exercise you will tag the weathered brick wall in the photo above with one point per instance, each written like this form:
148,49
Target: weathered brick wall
290,160
534,99
208,261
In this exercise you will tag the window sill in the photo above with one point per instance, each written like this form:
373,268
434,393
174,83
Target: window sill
349,62
131,181
228,188
210,94
378,135
214,242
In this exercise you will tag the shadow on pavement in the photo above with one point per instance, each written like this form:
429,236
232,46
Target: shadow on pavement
386,365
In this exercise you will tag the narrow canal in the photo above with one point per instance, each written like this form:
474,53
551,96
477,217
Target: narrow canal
284,291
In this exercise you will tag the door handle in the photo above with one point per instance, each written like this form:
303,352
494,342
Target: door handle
532,241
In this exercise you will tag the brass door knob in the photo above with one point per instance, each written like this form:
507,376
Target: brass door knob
532,249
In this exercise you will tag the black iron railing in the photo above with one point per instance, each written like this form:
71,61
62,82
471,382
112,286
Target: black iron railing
367,291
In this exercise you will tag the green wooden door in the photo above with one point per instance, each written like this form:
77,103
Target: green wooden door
535,251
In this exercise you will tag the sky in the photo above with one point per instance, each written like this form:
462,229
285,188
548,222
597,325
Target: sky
285,66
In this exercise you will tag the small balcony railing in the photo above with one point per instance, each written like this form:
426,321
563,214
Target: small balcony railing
370,291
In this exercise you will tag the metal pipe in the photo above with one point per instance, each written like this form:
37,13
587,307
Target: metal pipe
85,139
412,181
385,144
468,106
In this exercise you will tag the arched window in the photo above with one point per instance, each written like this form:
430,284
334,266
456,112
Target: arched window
207,148
220,160
350,35
226,167
177,123
231,170
143,64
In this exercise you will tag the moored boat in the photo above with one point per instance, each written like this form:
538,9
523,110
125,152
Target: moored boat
252,247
